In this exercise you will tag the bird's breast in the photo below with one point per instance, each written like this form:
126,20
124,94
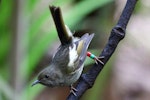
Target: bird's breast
74,76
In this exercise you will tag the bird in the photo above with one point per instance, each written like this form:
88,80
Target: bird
67,63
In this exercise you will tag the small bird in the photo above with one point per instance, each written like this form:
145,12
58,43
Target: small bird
68,61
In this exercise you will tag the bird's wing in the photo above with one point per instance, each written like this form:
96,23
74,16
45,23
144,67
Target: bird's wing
81,49
63,31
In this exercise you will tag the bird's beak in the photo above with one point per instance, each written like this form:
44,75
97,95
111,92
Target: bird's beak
35,82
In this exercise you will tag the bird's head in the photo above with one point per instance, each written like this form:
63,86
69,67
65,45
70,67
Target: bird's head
44,78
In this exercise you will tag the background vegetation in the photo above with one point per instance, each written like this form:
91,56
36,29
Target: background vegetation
28,40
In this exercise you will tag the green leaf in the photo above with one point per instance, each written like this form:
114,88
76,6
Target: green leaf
4,45
80,10
5,11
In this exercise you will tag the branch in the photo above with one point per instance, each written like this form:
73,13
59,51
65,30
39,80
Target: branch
118,33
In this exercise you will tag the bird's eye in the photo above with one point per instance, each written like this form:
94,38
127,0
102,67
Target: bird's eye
46,76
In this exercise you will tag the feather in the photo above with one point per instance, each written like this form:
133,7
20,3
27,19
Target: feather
63,31
87,39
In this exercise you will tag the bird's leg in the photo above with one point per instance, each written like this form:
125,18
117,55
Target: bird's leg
73,90
96,59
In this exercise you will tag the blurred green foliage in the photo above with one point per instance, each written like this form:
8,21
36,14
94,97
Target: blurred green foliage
35,40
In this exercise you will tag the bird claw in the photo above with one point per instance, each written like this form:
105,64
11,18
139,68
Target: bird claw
73,90
98,59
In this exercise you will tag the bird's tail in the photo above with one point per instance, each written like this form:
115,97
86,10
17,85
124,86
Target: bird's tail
63,31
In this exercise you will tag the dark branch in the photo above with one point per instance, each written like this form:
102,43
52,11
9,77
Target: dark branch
118,33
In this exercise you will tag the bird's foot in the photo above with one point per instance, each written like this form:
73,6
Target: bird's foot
73,90
96,59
